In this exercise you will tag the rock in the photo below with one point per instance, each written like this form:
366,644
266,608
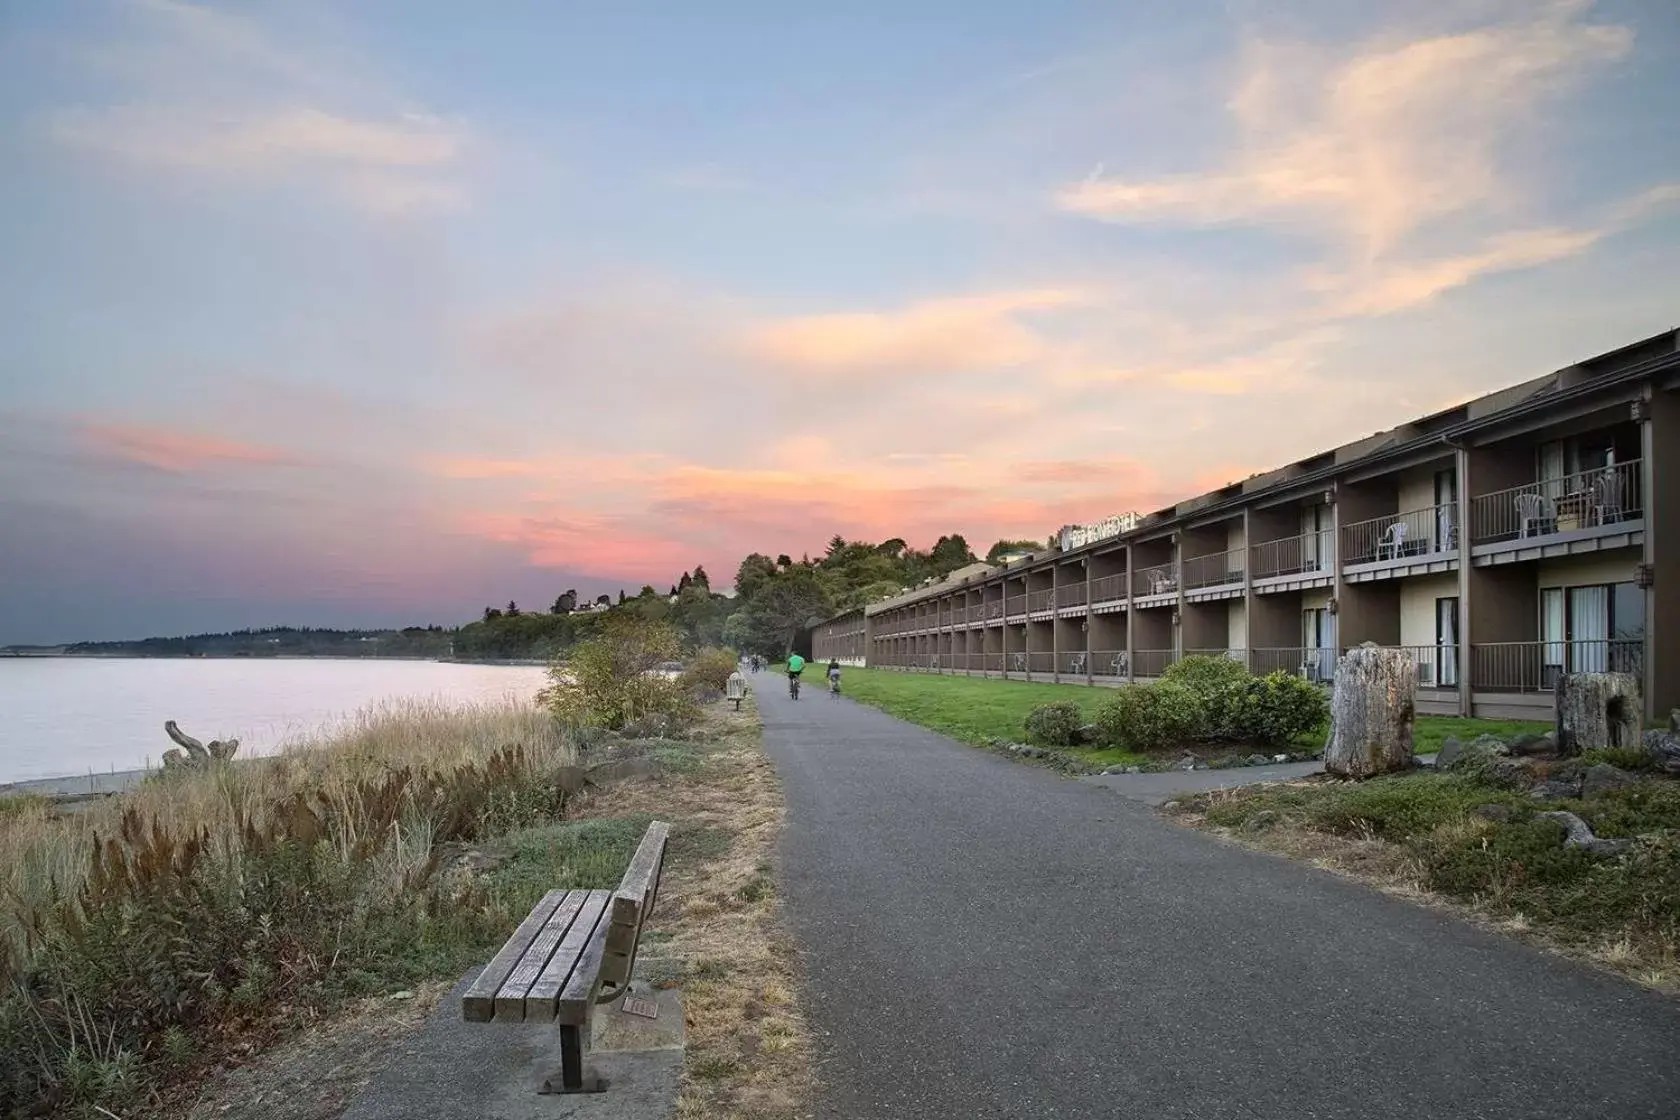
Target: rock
1451,748
1134,769
1087,734
1602,778
1188,762
1578,835
1280,758
1260,821
1115,770
569,779
1526,745
1554,791
1597,710
1493,812
1258,760
1664,748
1477,752
1171,805
1372,713
1674,720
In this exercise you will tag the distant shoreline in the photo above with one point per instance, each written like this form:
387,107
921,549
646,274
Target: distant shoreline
66,656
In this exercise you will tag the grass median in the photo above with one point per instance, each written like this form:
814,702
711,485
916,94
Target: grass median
979,709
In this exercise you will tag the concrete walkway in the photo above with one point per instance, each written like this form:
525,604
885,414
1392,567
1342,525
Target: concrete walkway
989,939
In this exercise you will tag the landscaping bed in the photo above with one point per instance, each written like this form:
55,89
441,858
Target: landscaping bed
1491,834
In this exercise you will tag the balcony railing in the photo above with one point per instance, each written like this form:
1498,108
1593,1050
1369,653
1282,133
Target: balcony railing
1017,604
1397,535
992,662
1536,666
1070,595
1108,663
1016,661
1603,496
1151,662
1158,580
1437,665
1075,664
1043,662
1240,656
1314,664
1214,569
1108,589
1041,600
1305,554
994,609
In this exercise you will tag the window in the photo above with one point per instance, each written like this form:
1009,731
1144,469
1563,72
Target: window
1594,628
1315,538
1446,509
1446,643
1318,636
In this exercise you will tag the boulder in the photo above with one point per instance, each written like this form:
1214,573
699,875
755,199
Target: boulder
1087,735
1372,713
1477,752
1529,745
1258,760
1602,778
1188,762
1664,748
1597,710
1555,791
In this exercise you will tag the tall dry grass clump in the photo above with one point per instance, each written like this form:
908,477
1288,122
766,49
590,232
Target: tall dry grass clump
134,931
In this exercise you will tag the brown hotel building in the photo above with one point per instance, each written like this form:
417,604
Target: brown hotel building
1528,533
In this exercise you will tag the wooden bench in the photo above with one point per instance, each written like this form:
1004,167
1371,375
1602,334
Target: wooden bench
574,950
736,689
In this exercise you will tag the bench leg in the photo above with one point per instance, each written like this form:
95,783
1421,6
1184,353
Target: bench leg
575,1074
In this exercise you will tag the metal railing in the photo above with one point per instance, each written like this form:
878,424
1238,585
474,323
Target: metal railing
1016,604
1075,664
1315,664
1603,496
1396,535
1536,666
1041,662
1309,552
1157,580
1240,656
1070,595
1015,661
1108,589
1213,569
1151,662
1108,663
992,662
1041,600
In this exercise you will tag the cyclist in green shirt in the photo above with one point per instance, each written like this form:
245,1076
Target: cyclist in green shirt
795,666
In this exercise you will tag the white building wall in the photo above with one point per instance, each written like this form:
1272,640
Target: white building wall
1616,566
1417,607
1236,625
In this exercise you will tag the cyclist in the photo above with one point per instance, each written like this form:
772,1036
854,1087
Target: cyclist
834,675
795,666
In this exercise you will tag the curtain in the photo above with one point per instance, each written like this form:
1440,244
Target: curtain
1551,632
1589,629
1446,639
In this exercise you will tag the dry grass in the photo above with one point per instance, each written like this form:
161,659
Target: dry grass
720,915
1397,871
44,851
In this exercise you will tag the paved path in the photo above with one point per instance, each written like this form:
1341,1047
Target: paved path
988,939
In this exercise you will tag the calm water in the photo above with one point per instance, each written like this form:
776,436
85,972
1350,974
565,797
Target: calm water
71,715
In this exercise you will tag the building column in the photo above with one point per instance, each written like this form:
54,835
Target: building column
1660,453
1247,595
1128,608
1461,466
1085,626
1178,602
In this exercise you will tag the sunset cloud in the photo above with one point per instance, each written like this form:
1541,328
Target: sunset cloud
177,452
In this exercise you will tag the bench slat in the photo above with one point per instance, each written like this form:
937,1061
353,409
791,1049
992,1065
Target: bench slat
578,998
510,1000
478,1005
643,873
570,960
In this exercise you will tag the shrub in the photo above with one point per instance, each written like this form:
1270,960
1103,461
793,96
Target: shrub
1206,674
611,681
1272,710
709,670
1150,717
1054,725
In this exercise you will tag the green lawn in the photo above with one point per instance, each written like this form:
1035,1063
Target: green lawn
975,709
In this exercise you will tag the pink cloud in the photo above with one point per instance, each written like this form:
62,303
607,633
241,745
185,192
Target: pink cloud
177,452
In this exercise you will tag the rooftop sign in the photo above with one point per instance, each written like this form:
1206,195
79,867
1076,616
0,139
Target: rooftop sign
1073,536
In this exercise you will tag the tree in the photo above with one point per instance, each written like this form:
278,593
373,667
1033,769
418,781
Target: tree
784,561
754,570
621,596
950,553
512,609
566,603
673,592
684,583
891,547
606,600
701,579
995,553
491,614
784,605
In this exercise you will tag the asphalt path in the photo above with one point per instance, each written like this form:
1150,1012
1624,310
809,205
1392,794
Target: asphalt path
985,938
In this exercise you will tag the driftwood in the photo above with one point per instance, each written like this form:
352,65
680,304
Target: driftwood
1580,835
195,755
1372,713
1598,710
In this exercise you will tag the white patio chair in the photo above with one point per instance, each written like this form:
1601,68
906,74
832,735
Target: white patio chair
1535,514
1607,497
1393,542
1076,663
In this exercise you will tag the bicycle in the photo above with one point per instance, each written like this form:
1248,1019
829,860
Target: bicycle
793,686
834,686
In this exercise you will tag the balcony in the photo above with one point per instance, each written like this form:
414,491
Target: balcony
994,609
1292,562
1108,663
1015,606
1240,656
1043,662
1151,662
1527,667
1414,542
1038,601
1310,663
1584,512
1108,589
1214,576
1156,582
1070,595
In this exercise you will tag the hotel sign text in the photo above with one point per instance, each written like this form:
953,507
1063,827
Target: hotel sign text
1073,536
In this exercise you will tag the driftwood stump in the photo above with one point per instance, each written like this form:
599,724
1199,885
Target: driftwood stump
1372,713
1596,710
195,755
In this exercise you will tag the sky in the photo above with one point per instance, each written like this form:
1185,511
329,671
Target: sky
376,313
